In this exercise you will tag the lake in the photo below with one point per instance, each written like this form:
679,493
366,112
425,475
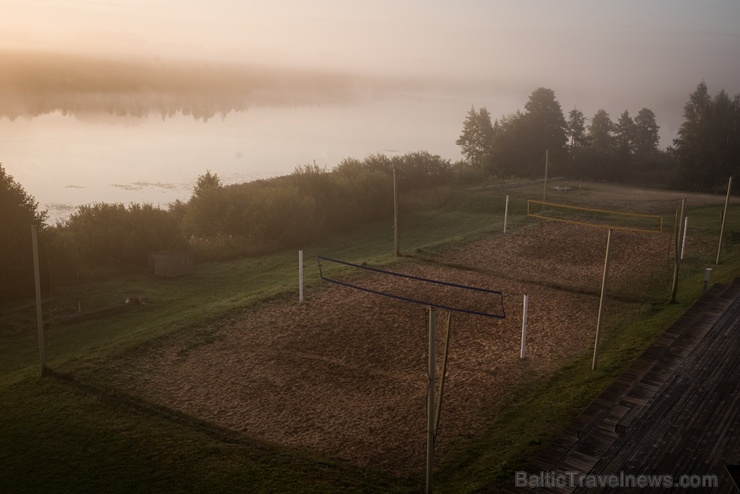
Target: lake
67,161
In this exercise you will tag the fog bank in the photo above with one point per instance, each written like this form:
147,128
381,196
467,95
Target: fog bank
34,83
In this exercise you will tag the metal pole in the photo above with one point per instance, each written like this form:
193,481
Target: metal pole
444,374
522,352
430,400
506,212
683,242
300,276
677,263
39,315
396,248
724,215
601,300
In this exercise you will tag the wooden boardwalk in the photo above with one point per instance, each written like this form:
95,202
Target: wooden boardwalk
675,411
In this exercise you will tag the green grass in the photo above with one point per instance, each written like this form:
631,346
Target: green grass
62,434
58,437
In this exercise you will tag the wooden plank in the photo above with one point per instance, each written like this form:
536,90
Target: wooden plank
675,409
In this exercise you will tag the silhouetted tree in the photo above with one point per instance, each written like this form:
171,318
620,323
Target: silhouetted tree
624,137
207,181
598,160
600,132
577,137
476,139
708,143
18,211
521,139
548,129
647,133
510,154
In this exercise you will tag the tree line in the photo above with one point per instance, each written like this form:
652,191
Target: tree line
705,152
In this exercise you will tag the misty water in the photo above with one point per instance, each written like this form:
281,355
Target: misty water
67,161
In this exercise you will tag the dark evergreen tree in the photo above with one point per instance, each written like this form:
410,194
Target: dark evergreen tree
624,137
708,143
476,140
577,137
510,156
548,129
600,132
522,139
18,211
647,133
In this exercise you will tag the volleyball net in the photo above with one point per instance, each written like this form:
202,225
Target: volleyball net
615,220
443,295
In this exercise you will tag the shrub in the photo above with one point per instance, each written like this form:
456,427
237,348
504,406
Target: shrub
113,234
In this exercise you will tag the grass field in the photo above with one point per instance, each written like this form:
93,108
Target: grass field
64,432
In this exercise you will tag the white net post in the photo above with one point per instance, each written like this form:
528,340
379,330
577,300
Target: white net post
525,310
506,212
430,400
300,276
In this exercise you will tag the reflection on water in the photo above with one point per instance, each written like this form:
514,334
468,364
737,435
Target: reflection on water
37,83
78,129
143,185
66,161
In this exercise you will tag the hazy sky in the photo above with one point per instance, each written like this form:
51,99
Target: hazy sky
594,54
320,80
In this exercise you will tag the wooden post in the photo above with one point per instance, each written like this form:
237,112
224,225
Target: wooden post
595,361
683,242
430,400
506,212
724,216
707,276
677,263
39,315
396,248
523,351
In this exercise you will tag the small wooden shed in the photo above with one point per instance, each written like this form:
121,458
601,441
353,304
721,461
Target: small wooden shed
171,264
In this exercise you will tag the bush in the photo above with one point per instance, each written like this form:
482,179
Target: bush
262,215
112,234
224,222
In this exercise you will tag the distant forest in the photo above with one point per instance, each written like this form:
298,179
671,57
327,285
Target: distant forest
223,222
703,155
